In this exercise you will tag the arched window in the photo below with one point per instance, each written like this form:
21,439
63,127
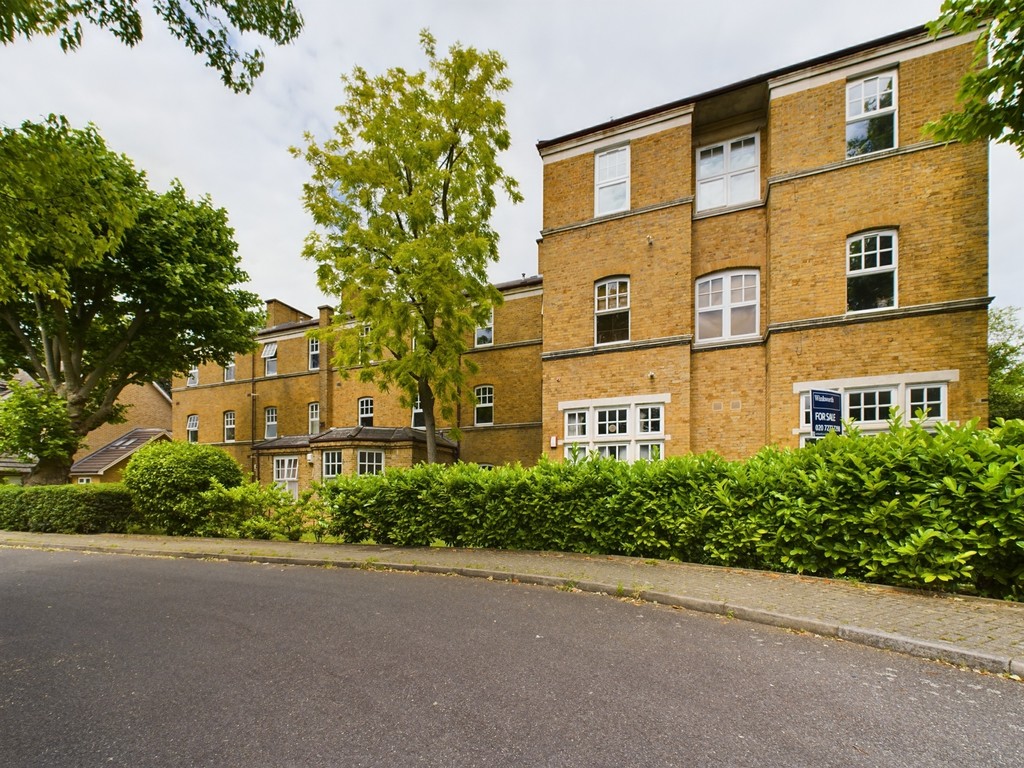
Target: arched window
728,305
611,310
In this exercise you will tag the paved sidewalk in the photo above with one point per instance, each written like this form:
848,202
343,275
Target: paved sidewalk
981,634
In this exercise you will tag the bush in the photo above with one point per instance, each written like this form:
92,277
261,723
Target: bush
250,511
103,508
167,481
909,507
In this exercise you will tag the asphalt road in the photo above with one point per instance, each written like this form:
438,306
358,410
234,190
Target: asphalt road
126,661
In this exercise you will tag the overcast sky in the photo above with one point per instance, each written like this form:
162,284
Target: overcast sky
573,63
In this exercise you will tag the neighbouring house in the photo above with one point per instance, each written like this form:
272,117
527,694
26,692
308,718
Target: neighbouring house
149,407
706,264
106,464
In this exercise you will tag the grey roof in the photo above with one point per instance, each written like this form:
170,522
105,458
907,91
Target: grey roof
13,465
377,435
285,442
116,451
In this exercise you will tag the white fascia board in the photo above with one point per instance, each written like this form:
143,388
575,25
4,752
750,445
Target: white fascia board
864,63
619,134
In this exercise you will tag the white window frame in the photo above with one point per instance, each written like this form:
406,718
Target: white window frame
602,164
270,420
365,411
85,481
704,302
902,387
865,271
728,176
313,353
638,423
331,464
229,371
313,410
859,109
229,424
369,460
942,404
483,336
611,304
484,396
192,428
269,355
192,379
286,473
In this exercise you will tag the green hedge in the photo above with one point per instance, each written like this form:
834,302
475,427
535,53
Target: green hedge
105,508
908,507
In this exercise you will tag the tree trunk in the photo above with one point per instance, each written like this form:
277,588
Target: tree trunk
50,472
429,422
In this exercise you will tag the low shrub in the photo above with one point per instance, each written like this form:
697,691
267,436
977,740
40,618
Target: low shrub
167,481
910,507
103,508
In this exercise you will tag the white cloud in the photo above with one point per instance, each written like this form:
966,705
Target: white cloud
574,63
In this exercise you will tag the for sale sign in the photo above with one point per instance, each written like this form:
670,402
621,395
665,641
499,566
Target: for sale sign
826,412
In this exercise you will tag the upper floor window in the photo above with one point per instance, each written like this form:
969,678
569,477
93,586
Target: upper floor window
729,173
727,306
871,114
270,423
314,354
484,413
611,181
193,377
269,355
229,426
365,411
419,421
229,371
192,428
314,418
871,271
611,310
484,336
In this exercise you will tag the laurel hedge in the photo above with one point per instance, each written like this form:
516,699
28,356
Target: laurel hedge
105,508
911,507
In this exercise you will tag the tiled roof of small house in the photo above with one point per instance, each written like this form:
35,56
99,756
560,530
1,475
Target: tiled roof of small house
377,435
116,451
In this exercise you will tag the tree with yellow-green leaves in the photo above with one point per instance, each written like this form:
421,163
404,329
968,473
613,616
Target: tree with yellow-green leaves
402,196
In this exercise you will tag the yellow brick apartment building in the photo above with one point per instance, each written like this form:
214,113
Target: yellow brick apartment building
708,262
705,264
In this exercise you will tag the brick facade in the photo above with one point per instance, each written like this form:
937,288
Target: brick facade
705,264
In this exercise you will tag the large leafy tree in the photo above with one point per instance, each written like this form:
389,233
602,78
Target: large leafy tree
93,301
209,28
402,196
1005,364
992,93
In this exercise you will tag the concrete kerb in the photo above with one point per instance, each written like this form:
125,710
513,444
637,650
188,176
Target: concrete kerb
873,638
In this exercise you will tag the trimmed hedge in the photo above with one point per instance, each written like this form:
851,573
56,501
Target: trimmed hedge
103,508
908,507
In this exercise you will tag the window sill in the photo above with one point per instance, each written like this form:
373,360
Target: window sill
712,212
738,341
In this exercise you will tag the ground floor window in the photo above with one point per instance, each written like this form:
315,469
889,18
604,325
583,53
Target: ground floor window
332,464
868,402
192,428
370,462
286,473
622,428
84,480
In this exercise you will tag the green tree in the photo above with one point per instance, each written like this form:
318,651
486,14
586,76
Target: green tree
1005,364
134,303
992,93
209,28
402,196
34,424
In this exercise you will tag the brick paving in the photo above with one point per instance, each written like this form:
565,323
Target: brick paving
974,632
